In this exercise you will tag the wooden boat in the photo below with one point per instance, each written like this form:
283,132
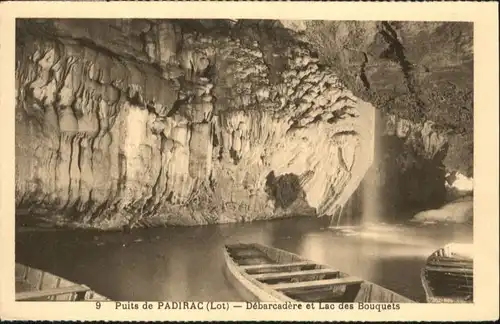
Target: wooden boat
263,273
447,276
37,285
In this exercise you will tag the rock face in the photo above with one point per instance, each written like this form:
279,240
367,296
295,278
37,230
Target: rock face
420,74
410,164
144,122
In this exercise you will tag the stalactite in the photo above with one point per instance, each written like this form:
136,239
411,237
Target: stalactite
138,146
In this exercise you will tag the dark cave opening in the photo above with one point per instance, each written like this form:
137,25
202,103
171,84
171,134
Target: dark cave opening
285,189
406,182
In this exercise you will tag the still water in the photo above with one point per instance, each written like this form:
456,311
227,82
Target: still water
185,264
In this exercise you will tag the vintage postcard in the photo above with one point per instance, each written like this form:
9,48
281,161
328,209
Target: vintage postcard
282,161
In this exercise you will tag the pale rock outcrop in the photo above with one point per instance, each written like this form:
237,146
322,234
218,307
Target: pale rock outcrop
459,211
177,127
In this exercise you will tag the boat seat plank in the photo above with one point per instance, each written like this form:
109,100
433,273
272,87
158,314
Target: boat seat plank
246,253
276,265
445,269
281,275
51,292
317,283
468,265
450,260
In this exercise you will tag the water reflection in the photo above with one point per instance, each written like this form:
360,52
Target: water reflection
187,263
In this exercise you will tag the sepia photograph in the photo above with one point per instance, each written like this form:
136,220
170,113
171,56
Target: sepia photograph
247,160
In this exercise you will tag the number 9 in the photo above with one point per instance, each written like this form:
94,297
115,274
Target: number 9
98,305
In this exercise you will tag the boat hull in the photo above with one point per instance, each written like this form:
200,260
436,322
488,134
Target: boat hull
273,275
37,285
447,276
247,289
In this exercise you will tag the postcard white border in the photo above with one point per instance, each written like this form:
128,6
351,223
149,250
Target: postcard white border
484,16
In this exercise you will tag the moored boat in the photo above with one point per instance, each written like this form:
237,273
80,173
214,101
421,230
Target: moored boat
447,276
37,285
266,274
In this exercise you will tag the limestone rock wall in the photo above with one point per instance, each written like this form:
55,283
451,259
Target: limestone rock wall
144,122
421,72
419,75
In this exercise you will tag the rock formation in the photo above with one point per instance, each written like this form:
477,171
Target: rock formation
458,211
148,122
416,73
420,77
